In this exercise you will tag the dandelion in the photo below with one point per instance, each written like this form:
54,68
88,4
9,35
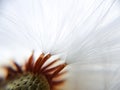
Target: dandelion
61,40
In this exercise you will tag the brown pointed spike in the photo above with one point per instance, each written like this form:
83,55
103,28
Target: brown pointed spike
10,72
42,62
29,64
58,70
52,69
60,74
37,63
58,82
45,59
50,64
17,67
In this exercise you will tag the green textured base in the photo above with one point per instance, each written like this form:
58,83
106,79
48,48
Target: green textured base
28,81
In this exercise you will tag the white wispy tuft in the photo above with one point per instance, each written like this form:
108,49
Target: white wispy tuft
68,28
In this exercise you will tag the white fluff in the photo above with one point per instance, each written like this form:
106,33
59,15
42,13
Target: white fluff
50,26
68,28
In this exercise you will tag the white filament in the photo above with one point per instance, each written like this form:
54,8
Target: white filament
71,29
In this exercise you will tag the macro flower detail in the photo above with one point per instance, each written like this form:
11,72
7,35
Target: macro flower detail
35,76
75,42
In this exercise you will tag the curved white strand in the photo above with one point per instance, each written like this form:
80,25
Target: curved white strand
42,23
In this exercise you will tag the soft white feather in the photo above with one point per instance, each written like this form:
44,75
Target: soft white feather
57,27
101,69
